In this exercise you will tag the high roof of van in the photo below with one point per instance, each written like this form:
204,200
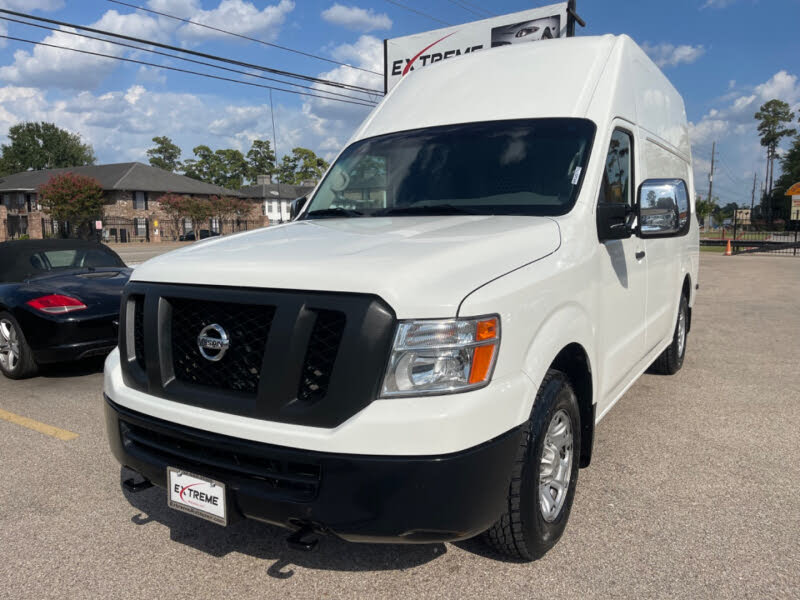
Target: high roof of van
598,78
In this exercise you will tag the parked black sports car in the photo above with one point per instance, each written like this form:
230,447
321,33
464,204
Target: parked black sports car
191,236
59,301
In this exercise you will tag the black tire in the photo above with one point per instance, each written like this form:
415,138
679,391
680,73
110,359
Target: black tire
670,361
24,365
522,532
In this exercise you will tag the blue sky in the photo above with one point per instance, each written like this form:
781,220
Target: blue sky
725,56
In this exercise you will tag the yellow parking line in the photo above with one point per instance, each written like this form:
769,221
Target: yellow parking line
61,434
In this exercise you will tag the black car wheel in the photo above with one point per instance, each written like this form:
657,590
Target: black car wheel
671,360
16,358
545,475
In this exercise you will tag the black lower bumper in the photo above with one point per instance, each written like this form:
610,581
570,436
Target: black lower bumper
356,497
57,338
69,352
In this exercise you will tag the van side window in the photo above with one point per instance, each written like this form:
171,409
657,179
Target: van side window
616,184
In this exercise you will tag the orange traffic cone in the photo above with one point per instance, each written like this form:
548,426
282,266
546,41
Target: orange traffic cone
728,249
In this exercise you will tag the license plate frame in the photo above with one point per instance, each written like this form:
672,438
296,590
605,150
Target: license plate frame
194,494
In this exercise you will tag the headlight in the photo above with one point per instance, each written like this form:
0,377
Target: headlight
442,356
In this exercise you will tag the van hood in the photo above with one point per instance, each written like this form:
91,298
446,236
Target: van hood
422,266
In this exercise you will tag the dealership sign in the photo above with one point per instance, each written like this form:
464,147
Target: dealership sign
406,54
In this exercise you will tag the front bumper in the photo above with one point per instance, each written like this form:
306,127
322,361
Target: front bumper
355,497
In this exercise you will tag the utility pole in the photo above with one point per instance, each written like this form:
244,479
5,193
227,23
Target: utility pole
753,198
711,174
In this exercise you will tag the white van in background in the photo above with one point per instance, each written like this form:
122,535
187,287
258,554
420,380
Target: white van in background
424,353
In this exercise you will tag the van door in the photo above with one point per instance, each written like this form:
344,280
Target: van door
664,251
622,294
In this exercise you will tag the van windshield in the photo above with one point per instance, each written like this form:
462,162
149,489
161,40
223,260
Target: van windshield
519,167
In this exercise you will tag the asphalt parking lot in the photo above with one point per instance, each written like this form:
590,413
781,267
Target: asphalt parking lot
694,491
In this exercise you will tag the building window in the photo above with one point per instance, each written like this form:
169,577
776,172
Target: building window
141,227
7,200
139,201
215,225
20,200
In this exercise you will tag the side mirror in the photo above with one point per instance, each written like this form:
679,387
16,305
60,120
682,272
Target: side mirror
296,207
614,221
663,207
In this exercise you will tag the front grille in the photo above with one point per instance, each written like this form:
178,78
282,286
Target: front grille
321,355
293,356
138,330
225,458
247,327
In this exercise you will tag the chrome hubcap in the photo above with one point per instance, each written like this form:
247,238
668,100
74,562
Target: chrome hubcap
556,466
9,345
681,331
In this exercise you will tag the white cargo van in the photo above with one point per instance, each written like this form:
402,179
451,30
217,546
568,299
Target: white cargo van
424,353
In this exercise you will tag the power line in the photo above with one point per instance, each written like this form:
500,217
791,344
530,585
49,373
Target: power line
149,64
200,54
419,12
244,37
478,7
175,56
467,8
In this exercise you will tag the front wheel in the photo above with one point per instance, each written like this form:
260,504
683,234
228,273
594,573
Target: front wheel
544,476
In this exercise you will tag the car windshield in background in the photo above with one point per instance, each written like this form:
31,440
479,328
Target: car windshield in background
26,260
520,167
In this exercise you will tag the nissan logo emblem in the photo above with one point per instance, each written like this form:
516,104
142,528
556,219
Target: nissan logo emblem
213,342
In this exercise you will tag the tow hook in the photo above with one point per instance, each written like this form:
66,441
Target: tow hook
134,487
296,540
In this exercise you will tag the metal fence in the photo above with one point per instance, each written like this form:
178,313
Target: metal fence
119,230
173,230
16,226
786,243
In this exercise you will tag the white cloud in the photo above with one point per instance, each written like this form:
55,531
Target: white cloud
237,16
27,6
733,128
151,75
716,4
355,18
669,55
31,5
120,124
53,67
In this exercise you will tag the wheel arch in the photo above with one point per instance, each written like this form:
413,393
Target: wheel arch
565,342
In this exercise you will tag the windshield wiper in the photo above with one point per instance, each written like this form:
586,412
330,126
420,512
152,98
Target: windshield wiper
324,213
429,209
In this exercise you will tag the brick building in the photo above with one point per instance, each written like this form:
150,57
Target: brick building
276,197
131,202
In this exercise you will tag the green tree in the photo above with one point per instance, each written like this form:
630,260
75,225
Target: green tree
175,208
227,168
233,169
165,155
199,210
790,167
74,198
203,166
703,207
260,160
226,207
772,117
302,165
36,146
